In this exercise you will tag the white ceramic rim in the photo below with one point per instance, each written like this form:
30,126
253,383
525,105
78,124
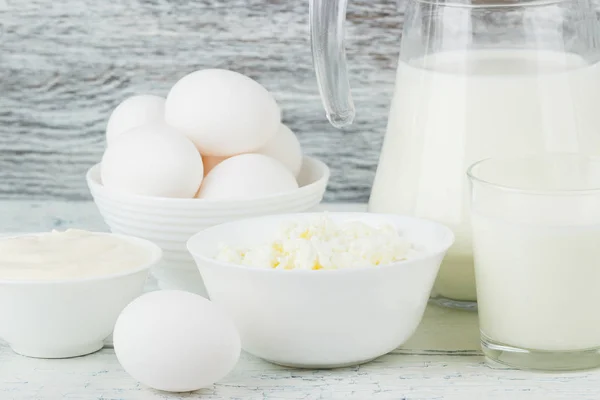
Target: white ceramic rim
443,247
154,250
193,215
96,187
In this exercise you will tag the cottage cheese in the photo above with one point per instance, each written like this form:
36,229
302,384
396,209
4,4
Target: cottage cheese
323,244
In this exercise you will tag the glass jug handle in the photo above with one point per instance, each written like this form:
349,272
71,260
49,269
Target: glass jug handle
327,19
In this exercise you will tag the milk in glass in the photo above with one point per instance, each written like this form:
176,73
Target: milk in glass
536,241
538,284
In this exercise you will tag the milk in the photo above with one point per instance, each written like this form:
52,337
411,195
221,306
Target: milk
537,285
537,251
452,109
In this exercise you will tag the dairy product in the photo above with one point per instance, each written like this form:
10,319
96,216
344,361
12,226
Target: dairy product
452,109
536,230
69,254
537,284
324,244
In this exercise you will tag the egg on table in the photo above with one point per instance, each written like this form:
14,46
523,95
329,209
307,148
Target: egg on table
176,341
153,160
133,112
247,176
285,148
223,112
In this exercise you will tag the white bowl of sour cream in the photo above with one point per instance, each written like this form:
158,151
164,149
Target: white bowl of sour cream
322,290
61,292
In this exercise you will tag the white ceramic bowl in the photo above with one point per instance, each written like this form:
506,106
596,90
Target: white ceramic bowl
171,222
68,317
326,318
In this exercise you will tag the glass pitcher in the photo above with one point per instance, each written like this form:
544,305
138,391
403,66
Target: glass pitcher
475,79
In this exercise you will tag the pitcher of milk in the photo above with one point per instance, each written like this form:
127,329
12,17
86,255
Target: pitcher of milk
475,79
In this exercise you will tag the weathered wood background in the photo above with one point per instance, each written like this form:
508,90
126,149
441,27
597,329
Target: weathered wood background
64,65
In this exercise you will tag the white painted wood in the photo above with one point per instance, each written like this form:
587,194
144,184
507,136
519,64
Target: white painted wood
64,65
441,361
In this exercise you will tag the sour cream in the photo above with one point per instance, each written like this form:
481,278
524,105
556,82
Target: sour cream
68,254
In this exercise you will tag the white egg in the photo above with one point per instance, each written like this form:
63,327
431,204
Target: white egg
153,160
285,148
247,176
210,162
222,112
176,341
133,112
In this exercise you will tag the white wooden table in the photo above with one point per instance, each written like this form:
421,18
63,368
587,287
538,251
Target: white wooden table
441,361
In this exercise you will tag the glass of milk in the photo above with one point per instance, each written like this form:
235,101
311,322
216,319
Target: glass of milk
536,244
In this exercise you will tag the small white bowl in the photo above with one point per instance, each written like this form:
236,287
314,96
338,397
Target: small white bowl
325,318
170,222
68,317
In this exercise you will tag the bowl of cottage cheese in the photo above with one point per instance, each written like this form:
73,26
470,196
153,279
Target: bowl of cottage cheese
322,290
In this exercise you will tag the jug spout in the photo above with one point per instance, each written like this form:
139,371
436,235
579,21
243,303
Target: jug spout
327,19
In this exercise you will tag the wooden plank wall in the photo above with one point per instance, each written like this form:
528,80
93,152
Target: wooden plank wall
64,65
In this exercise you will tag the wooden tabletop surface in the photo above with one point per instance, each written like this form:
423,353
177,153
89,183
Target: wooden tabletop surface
441,361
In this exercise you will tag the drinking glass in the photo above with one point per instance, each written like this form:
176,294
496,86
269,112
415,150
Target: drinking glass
536,245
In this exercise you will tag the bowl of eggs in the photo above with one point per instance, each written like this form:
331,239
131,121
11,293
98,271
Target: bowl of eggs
214,150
